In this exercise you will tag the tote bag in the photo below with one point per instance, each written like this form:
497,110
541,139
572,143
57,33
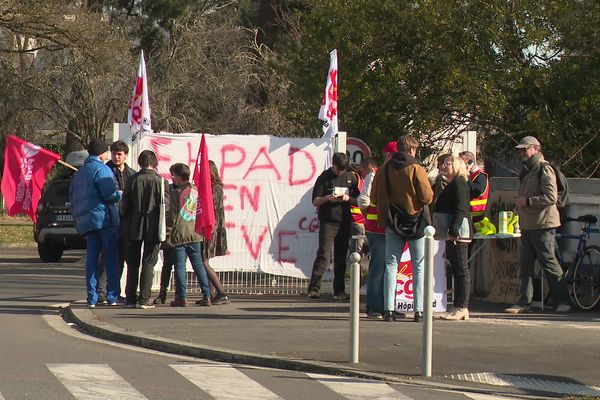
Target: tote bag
441,223
162,214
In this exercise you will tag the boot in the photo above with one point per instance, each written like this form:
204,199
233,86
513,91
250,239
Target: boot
162,297
457,314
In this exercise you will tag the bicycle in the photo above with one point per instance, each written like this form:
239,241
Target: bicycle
583,276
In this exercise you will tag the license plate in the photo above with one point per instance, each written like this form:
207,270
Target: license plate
64,218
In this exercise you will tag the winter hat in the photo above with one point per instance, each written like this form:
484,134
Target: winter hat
97,147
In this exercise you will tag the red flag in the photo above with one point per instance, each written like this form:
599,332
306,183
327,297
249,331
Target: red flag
205,211
26,167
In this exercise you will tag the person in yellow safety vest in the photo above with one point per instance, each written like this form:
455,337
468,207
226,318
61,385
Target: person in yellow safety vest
375,240
357,227
375,236
479,186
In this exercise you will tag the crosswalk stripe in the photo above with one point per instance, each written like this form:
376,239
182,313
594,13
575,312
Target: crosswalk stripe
359,389
224,382
94,382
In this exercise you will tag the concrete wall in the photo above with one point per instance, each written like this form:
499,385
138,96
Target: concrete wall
495,271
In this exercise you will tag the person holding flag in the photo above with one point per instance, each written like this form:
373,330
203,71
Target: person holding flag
182,237
94,196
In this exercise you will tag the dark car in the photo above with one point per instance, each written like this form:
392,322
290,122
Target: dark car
55,230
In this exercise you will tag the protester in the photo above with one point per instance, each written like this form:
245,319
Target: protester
479,186
217,246
181,224
538,220
403,184
357,225
331,197
142,206
123,173
94,195
167,267
165,273
440,181
452,205
375,240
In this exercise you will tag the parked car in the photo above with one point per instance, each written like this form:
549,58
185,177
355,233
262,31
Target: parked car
55,230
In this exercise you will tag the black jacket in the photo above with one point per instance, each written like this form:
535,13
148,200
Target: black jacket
141,204
454,200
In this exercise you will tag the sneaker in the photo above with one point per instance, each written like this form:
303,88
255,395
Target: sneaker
102,302
341,296
121,301
374,315
205,302
112,304
130,305
145,306
563,308
313,294
91,306
518,309
221,298
178,302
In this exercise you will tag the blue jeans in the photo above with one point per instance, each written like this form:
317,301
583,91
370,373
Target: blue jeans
376,271
102,239
394,245
194,252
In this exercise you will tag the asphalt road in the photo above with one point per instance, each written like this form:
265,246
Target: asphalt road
45,358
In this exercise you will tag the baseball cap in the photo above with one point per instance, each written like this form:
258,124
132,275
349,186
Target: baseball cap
527,141
391,147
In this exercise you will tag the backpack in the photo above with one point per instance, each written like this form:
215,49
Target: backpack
562,200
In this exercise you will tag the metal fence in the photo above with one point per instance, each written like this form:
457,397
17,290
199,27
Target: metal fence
244,282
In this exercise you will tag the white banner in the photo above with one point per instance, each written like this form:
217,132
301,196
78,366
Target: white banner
404,281
271,223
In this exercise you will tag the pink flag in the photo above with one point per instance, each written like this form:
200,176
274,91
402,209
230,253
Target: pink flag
329,107
26,167
138,116
205,211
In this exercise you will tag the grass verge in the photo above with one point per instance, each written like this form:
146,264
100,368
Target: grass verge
17,230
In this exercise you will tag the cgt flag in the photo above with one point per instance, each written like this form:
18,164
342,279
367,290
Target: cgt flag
26,167
138,116
205,211
329,105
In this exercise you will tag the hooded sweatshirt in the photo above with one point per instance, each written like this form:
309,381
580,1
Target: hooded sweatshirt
409,187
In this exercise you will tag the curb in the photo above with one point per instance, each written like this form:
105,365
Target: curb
86,320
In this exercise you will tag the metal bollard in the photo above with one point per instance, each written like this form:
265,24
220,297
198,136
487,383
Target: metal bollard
354,305
428,302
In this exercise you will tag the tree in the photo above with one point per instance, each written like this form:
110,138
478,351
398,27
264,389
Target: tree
421,67
72,74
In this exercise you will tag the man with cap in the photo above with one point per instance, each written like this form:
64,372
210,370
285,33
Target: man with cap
538,219
94,197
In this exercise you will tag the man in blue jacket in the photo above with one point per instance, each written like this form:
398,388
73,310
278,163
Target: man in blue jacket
94,197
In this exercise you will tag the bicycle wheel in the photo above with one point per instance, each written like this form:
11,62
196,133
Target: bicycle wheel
586,279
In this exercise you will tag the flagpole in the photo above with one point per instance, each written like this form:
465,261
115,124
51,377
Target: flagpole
66,165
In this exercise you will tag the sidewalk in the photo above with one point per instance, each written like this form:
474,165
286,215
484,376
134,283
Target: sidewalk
538,351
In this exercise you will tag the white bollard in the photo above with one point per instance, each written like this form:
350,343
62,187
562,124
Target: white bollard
354,306
428,302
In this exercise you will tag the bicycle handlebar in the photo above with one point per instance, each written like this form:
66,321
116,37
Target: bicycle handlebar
588,219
